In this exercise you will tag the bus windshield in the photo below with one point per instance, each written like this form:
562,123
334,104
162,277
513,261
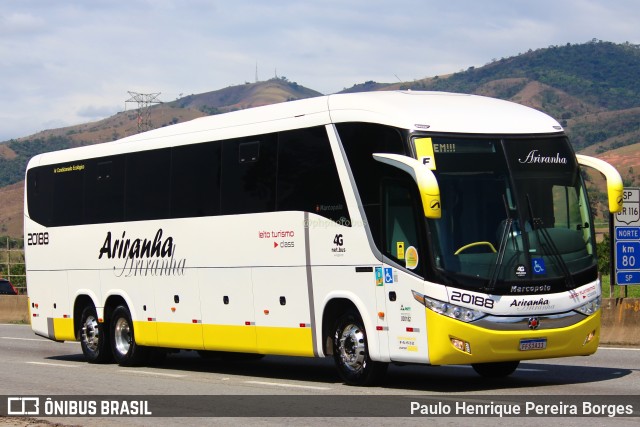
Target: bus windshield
514,213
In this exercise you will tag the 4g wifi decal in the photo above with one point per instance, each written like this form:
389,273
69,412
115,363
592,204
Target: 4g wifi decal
339,242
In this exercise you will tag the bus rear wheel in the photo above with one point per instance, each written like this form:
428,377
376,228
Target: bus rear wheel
123,343
351,352
496,369
94,337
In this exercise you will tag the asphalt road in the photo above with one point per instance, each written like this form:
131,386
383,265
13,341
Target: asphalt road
31,365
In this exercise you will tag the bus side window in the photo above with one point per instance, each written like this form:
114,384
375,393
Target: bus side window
104,190
39,194
68,195
249,152
147,179
248,181
307,175
196,168
360,141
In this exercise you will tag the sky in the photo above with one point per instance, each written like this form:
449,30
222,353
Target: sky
68,62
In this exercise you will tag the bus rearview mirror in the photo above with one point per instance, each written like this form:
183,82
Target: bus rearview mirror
424,178
614,180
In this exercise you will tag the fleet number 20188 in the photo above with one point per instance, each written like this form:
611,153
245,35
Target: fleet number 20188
34,239
472,299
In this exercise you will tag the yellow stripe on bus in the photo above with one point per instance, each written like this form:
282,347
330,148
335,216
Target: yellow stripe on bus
285,341
180,335
146,333
236,338
63,329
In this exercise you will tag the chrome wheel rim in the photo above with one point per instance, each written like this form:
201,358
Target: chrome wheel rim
91,333
122,336
351,348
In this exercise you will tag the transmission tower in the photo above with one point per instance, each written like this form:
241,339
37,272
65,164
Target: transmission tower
144,101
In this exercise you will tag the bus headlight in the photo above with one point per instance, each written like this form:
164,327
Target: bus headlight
447,309
591,307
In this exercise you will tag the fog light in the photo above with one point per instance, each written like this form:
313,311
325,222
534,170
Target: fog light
590,337
461,345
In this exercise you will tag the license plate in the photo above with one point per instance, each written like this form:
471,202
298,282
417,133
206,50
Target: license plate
536,344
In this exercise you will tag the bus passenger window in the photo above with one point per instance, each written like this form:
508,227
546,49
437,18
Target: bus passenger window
104,190
197,168
249,152
147,179
360,141
248,181
39,194
307,175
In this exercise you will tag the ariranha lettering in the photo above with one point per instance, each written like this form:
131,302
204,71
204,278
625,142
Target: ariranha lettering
535,157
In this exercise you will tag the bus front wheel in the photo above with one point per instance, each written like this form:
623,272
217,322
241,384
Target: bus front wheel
351,352
94,338
495,369
123,343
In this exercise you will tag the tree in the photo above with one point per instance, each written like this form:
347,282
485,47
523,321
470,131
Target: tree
604,255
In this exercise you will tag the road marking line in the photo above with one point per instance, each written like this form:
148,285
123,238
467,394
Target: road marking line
134,371
288,385
23,339
618,348
52,364
37,339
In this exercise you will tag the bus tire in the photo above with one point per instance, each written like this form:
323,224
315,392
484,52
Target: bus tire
123,343
94,337
351,352
495,369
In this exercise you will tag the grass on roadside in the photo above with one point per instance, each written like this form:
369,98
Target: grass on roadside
632,291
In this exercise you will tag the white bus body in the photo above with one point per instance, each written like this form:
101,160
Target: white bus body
355,225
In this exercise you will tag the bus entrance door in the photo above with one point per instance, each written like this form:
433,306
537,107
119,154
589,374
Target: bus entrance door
404,270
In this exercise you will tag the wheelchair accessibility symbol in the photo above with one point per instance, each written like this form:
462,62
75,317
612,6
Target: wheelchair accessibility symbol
538,267
388,275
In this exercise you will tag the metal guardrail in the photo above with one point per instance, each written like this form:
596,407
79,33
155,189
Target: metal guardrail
12,263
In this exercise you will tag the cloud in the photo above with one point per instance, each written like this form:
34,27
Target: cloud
93,112
14,23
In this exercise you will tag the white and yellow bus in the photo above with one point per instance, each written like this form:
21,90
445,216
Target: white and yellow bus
411,227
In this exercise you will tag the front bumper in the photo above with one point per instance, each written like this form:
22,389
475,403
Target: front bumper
487,345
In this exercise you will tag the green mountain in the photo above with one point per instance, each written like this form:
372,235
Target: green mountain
577,84
593,89
602,74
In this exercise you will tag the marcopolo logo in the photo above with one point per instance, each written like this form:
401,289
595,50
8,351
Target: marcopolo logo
143,257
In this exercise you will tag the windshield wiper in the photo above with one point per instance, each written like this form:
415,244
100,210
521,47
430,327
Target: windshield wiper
502,248
550,247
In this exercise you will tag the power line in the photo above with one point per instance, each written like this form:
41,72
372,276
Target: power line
144,101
